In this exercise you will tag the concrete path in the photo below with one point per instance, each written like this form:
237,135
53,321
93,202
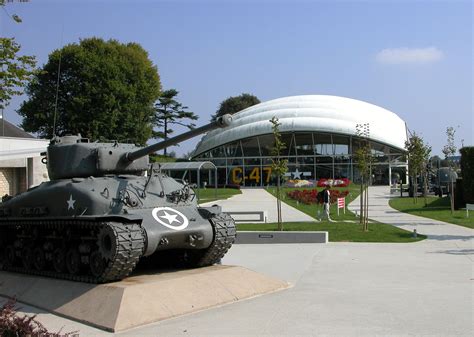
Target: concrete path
258,199
343,289
439,233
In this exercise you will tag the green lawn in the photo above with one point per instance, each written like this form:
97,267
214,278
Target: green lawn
209,194
342,229
437,208
342,232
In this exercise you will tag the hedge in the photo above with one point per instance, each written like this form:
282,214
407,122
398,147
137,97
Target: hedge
467,172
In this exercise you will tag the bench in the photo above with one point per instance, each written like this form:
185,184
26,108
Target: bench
249,216
469,207
255,237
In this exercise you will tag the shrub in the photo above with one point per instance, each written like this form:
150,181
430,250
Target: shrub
12,325
467,172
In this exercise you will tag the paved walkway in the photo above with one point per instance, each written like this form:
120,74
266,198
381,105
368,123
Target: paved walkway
258,199
439,233
343,289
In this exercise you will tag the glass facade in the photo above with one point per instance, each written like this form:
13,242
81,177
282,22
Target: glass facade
310,155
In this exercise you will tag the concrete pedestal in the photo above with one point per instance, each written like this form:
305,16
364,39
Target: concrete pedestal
140,299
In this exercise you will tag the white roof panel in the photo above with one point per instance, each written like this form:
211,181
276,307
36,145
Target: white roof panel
314,113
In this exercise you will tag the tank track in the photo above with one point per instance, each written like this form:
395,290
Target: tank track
93,251
224,236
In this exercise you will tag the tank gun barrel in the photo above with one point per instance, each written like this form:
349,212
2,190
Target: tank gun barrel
220,122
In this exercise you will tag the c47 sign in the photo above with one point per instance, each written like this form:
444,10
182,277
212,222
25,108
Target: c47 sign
252,174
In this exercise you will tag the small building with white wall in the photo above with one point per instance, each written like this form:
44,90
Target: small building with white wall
20,160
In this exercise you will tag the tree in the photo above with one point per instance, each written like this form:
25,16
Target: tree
168,112
279,165
235,104
418,159
15,70
103,90
449,150
363,157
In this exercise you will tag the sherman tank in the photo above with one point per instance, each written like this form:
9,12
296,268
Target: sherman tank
106,208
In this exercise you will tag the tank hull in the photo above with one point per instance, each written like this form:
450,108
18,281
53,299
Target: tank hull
98,229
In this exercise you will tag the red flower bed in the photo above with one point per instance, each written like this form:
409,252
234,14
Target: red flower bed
309,197
344,182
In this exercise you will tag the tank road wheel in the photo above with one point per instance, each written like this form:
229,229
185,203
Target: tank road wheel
107,243
9,256
73,261
97,263
59,260
39,259
27,258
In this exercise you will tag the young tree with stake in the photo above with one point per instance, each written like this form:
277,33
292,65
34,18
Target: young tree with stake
279,165
449,150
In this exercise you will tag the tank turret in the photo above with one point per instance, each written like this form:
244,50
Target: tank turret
74,156
99,215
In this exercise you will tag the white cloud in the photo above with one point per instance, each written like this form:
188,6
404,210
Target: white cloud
409,55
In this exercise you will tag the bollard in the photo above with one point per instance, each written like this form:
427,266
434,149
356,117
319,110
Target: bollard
415,235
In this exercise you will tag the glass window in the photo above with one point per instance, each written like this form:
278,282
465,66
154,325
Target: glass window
323,159
323,144
288,140
342,171
204,155
233,149
266,144
304,144
323,171
342,159
219,162
218,152
252,161
221,176
235,162
250,147
341,144
292,159
267,161
379,158
306,160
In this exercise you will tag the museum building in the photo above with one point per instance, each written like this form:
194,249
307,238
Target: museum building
321,133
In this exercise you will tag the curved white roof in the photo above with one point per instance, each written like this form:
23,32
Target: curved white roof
312,113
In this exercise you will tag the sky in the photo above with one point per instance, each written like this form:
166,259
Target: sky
414,58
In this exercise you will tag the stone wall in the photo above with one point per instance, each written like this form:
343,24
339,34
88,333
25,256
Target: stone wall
12,180
15,174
